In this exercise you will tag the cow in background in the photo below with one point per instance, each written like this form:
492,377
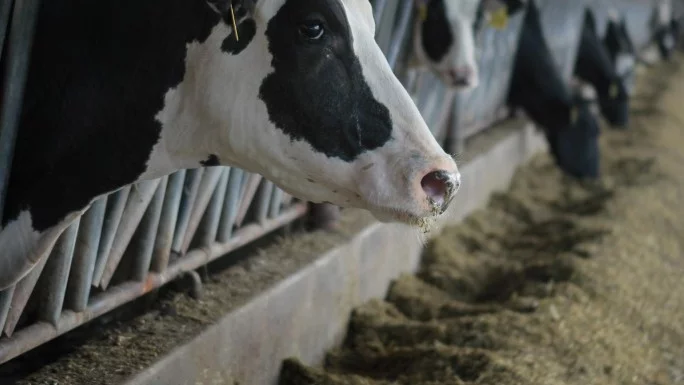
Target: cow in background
593,65
565,115
444,36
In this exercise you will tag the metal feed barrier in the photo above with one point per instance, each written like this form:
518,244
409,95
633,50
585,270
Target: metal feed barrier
147,234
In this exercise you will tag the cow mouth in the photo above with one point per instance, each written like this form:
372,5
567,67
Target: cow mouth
406,217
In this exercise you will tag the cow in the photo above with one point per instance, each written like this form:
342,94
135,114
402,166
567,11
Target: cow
621,51
125,91
663,33
443,37
593,65
538,89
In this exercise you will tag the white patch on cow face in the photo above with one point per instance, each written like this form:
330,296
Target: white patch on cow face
217,109
458,69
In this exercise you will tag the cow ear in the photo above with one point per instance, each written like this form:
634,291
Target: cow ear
239,9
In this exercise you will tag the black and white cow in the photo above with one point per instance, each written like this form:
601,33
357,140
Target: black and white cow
593,65
663,32
538,89
443,36
620,48
128,90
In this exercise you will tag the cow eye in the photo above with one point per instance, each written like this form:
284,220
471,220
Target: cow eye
311,29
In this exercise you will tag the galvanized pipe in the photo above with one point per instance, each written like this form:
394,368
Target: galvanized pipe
190,190
22,293
209,229
147,231
57,274
230,206
116,203
5,11
167,222
264,202
276,203
85,254
247,197
5,302
139,200
401,32
14,78
205,191
38,333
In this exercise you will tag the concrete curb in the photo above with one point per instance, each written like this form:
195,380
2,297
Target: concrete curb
307,313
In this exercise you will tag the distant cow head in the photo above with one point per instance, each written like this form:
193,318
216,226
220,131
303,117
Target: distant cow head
593,65
443,37
307,98
564,112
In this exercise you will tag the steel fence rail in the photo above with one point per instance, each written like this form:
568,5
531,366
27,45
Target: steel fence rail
144,235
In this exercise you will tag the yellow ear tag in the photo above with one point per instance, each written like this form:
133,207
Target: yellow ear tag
499,19
422,12
573,115
613,90
232,15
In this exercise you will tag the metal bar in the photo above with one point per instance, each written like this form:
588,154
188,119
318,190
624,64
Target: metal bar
400,33
246,199
264,202
57,275
15,73
147,231
5,11
167,222
5,302
276,203
209,229
142,193
190,189
116,203
384,26
230,206
206,189
85,255
38,333
378,8
22,293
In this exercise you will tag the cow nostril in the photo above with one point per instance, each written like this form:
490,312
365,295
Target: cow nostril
439,187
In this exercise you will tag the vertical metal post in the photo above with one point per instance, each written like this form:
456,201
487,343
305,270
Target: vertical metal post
14,80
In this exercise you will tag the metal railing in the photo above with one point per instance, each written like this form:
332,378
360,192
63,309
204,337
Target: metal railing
144,235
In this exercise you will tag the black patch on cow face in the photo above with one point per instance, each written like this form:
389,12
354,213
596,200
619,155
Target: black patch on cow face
98,75
212,160
317,92
246,31
437,37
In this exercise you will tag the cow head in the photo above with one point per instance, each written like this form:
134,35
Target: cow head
574,144
443,36
304,96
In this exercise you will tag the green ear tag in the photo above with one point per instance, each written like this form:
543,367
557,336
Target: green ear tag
613,90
